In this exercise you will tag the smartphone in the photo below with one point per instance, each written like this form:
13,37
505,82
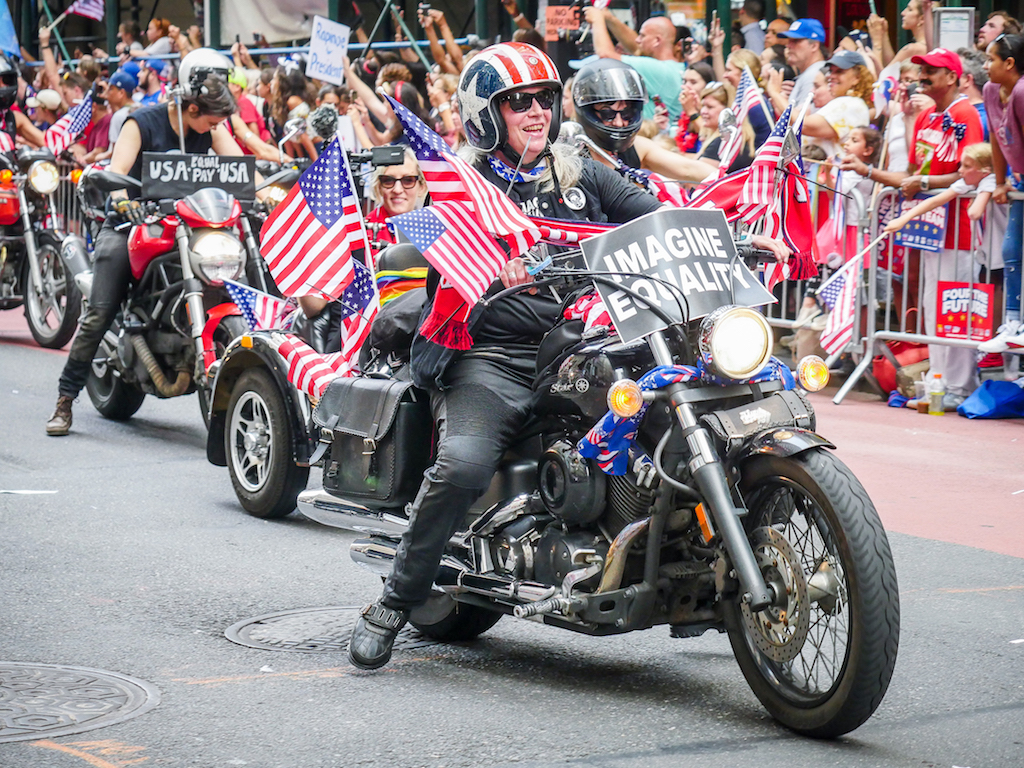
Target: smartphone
714,18
238,39
911,89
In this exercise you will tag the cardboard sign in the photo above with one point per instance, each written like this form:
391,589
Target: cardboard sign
671,257
928,232
172,175
560,17
958,304
327,45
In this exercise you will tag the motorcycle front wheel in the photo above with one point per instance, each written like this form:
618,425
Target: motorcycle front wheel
258,442
110,395
52,308
819,660
229,329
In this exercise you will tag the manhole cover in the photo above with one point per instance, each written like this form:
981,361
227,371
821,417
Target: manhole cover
43,700
311,630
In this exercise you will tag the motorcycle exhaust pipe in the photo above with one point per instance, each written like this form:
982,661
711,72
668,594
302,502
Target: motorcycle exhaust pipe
164,387
75,255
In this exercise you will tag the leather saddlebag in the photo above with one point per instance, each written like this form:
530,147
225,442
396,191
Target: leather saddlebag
380,432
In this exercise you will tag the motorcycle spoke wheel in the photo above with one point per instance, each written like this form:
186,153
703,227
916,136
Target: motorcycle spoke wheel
51,308
820,658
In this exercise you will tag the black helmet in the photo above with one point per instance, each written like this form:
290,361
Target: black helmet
602,82
8,82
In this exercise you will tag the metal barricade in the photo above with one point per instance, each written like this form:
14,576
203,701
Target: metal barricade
890,308
67,210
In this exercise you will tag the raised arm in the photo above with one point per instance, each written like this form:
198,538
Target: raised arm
603,45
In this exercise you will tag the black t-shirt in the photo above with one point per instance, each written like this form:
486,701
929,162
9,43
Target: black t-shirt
158,136
523,318
743,159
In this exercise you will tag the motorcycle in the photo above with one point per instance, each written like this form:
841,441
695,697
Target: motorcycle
35,269
672,477
178,317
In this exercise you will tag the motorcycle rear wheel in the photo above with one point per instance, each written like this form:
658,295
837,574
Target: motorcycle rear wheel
442,618
823,666
110,395
51,309
258,443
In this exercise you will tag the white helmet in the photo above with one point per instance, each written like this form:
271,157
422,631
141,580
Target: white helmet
198,65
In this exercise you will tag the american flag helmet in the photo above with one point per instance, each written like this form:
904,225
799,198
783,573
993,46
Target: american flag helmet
494,72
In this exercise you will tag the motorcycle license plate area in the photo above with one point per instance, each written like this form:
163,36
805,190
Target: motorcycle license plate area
691,251
172,175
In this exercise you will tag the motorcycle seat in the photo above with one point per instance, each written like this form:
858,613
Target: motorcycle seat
400,257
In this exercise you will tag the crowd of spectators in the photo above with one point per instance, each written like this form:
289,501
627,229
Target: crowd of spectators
874,115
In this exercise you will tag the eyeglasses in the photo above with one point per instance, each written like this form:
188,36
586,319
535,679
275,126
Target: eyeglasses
629,113
521,101
408,182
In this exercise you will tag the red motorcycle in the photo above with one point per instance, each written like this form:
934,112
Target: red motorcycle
178,317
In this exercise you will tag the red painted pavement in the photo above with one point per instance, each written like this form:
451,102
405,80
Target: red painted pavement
14,330
940,477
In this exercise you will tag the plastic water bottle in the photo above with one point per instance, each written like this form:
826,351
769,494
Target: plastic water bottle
936,391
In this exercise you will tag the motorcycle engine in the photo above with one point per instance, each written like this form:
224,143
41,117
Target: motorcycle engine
572,488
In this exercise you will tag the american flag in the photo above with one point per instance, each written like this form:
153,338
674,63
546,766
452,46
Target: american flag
450,178
453,241
721,194
839,293
793,220
6,142
261,311
667,191
310,371
748,97
91,9
359,306
63,133
309,237
567,232
759,190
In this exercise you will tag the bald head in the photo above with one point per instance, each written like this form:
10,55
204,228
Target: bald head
656,38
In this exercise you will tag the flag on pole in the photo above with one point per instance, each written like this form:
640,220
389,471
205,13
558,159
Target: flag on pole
748,97
721,194
91,9
261,311
309,237
359,306
567,232
8,37
308,370
759,190
667,191
839,294
62,134
449,177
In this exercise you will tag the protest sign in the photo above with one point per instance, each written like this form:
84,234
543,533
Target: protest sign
927,232
672,258
963,305
169,175
327,45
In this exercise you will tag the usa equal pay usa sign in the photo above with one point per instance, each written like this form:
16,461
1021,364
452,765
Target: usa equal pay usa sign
167,175
666,256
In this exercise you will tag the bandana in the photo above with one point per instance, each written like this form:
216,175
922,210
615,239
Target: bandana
508,173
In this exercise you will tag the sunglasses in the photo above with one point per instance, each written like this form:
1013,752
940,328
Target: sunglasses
629,113
408,182
520,101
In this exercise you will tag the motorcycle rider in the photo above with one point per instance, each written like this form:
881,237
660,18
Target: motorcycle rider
13,122
609,98
206,103
510,101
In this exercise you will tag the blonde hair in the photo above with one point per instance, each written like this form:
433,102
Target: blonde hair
725,94
980,153
745,57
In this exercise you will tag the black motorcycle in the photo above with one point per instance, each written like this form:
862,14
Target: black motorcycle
35,271
674,478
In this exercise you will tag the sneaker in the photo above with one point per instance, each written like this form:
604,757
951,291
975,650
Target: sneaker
1000,342
60,422
1015,344
951,402
991,360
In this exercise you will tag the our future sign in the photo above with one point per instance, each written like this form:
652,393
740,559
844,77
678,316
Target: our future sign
665,256
168,175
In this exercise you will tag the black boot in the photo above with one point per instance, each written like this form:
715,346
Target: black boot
374,635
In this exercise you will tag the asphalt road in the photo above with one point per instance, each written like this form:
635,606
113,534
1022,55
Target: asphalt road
140,559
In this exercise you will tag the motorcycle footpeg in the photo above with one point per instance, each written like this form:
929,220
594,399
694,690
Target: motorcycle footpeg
562,605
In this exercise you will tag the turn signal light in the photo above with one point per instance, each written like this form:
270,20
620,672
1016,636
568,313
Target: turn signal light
625,398
76,174
812,373
6,176
246,341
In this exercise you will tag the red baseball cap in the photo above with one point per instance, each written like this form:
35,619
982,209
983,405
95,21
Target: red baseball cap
940,57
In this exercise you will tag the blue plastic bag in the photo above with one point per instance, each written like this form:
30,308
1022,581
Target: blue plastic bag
994,400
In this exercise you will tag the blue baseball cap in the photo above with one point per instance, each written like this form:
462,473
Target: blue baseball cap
123,80
804,29
130,67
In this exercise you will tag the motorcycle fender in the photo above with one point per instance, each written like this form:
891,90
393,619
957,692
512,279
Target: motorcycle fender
781,441
75,255
258,352
213,318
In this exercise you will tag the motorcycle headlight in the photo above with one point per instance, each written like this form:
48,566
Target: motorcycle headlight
735,341
216,256
43,177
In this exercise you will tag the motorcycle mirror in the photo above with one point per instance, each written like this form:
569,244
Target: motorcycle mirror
570,132
295,126
726,120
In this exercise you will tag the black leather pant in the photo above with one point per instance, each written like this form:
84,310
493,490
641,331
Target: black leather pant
478,416
111,273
